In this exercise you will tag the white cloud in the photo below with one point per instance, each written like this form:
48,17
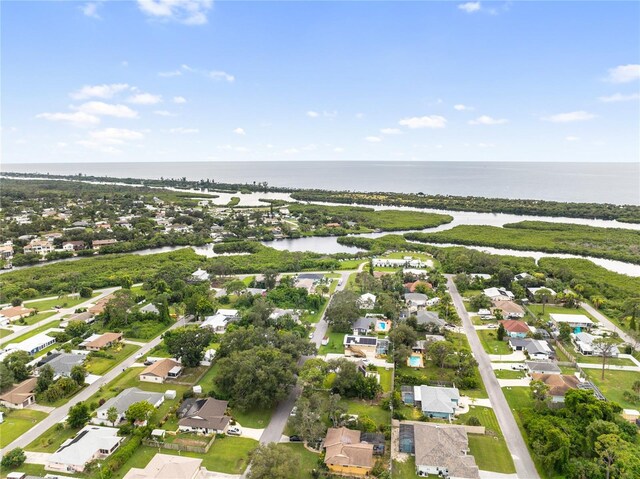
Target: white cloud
179,99
487,120
572,138
390,131
99,91
220,75
338,150
100,108
187,12
163,113
624,73
240,131
469,7
184,131
91,9
373,139
461,107
115,135
79,118
291,151
313,114
238,149
617,97
174,73
486,145
433,121
330,114
145,99
570,117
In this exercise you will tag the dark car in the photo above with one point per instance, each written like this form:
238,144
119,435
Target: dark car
148,363
295,438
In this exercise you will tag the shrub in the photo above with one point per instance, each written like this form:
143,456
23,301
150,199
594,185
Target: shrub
13,458
473,421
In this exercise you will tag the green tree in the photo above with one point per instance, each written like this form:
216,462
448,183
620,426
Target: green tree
564,331
480,301
272,462
6,377
17,363
86,292
538,391
112,415
45,378
77,329
78,373
313,372
78,415
14,458
501,332
126,282
342,311
140,411
606,347
609,447
188,344
270,279
307,421
335,409
257,377
439,351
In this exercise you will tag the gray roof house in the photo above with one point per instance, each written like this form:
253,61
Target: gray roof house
543,367
207,417
429,317
436,401
150,308
125,399
363,326
535,348
62,363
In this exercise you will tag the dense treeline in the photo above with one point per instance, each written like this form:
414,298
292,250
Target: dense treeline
612,243
605,211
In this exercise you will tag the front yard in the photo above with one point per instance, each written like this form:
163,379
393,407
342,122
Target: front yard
491,344
17,422
335,345
119,352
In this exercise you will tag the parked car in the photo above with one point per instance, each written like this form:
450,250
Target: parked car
139,355
234,431
492,326
295,438
294,411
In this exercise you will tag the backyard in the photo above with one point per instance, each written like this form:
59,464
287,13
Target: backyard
614,385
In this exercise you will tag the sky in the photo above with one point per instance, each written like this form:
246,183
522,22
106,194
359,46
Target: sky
191,80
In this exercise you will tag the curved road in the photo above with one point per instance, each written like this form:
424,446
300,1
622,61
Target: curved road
525,468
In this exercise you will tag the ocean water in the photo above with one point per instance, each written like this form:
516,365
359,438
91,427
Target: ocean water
617,183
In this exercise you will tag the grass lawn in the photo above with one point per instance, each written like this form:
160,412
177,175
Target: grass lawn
206,381
189,376
350,263
17,422
38,330
336,344
308,460
580,358
36,318
406,469
64,301
254,418
551,309
491,344
365,408
36,470
227,454
5,332
351,282
385,379
52,438
119,352
508,374
614,385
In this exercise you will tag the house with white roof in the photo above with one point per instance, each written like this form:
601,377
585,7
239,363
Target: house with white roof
200,275
499,294
91,442
367,301
574,321
587,344
217,322
35,343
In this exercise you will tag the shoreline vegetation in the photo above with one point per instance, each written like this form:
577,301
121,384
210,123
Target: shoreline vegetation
610,243
605,211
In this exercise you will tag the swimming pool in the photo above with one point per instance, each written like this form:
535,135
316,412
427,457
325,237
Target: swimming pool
415,361
382,326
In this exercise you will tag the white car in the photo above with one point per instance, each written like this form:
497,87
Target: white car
294,411
492,326
139,355
234,431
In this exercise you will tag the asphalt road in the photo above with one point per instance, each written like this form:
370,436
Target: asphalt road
525,468
58,414
610,325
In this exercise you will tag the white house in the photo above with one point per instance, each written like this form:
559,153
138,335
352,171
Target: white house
91,442
499,294
217,322
35,343
587,345
200,275
122,402
416,300
367,301
573,320
161,370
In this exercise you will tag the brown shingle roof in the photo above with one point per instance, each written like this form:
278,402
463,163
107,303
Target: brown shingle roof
103,340
19,393
16,311
558,384
508,307
343,448
210,415
101,304
160,368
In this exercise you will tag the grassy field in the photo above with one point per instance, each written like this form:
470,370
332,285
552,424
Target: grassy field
36,470
17,422
38,330
335,345
63,301
308,460
491,344
386,376
614,385
254,418
365,408
5,332
551,309
611,243
119,352
36,318
52,438
508,374
406,469
580,358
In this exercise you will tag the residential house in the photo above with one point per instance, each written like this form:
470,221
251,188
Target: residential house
411,287
205,417
577,322
416,300
97,342
6,252
515,328
21,395
360,346
165,466
441,450
150,308
122,402
15,312
35,343
436,402
217,322
429,317
38,246
543,367
100,305
161,370
85,317
91,442
62,363
200,275
535,348
346,454
521,276
363,326
278,315
73,245
508,309
588,345
531,293
558,384
97,244
499,294
367,301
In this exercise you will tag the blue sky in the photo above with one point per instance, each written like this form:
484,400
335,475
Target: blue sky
187,80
